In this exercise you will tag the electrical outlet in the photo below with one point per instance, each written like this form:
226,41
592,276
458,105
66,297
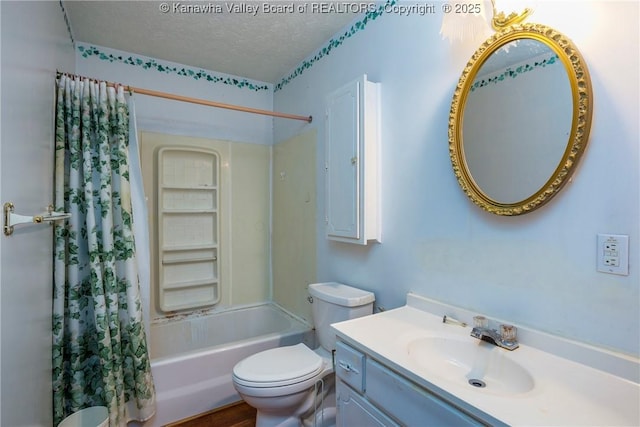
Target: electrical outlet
612,261
613,254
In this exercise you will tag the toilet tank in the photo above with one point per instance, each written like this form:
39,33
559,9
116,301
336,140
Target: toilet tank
334,302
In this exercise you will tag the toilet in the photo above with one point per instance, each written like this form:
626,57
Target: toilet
283,383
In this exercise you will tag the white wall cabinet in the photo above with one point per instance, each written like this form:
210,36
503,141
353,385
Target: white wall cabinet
352,163
369,393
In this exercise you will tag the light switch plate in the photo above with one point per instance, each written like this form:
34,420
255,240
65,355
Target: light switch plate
613,254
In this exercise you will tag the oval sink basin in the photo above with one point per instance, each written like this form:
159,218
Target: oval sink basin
474,364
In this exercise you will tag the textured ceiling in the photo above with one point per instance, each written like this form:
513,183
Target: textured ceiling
246,42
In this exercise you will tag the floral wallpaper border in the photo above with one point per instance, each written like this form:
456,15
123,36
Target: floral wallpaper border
88,51
152,64
514,73
335,42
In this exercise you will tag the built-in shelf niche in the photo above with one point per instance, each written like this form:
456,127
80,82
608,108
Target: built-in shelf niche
188,228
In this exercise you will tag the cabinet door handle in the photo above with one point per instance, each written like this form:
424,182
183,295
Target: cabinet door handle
347,367
354,160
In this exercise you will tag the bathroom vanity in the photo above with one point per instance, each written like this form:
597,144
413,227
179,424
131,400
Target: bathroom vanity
407,367
370,393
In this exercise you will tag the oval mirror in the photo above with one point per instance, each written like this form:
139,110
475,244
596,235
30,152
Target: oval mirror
520,119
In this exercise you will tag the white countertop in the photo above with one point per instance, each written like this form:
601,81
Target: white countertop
565,392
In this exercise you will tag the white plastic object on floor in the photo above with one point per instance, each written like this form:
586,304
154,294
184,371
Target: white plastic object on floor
95,416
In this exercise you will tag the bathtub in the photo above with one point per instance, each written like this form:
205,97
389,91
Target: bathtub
192,358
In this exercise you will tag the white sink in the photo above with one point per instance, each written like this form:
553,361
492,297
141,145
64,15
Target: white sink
474,364
547,381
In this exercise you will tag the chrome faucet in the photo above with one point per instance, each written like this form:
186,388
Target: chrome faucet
506,337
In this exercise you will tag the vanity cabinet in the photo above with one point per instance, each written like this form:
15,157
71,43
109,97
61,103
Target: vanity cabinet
355,410
368,393
352,163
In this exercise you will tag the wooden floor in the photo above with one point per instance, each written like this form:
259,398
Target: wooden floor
234,415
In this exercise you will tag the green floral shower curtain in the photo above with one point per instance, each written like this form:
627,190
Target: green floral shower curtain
100,352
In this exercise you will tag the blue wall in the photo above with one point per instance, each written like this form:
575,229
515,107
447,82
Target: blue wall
31,54
537,270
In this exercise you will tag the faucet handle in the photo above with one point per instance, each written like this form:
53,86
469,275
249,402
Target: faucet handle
508,333
480,322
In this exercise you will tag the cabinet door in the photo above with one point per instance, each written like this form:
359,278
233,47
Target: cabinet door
351,164
354,411
409,403
343,152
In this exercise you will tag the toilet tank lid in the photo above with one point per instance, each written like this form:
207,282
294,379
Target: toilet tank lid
340,294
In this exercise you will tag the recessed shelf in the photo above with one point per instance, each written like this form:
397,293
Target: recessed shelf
190,284
189,211
184,187
188,226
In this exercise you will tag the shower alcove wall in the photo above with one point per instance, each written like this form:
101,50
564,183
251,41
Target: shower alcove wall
208,204
193,350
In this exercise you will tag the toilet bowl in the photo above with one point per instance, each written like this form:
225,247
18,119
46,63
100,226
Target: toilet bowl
284,384
281,382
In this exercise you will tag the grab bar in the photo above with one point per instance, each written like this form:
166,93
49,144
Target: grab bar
11,219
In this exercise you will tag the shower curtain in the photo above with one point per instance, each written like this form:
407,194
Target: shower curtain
100,355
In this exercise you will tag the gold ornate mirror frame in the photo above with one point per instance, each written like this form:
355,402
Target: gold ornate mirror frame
581,117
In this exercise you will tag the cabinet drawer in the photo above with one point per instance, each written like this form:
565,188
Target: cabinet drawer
350,366
408,403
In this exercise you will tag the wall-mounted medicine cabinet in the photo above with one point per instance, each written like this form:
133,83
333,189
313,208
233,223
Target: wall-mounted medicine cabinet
352,163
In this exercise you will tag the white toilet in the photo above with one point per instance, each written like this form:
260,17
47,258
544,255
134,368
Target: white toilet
281,383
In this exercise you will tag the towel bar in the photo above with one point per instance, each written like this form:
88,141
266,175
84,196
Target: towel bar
11,219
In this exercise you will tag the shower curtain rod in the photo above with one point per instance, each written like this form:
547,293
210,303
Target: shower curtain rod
205,102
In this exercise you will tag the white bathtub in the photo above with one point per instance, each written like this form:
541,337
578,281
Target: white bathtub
192,359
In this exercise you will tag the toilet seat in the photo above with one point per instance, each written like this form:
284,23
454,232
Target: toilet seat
278,367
